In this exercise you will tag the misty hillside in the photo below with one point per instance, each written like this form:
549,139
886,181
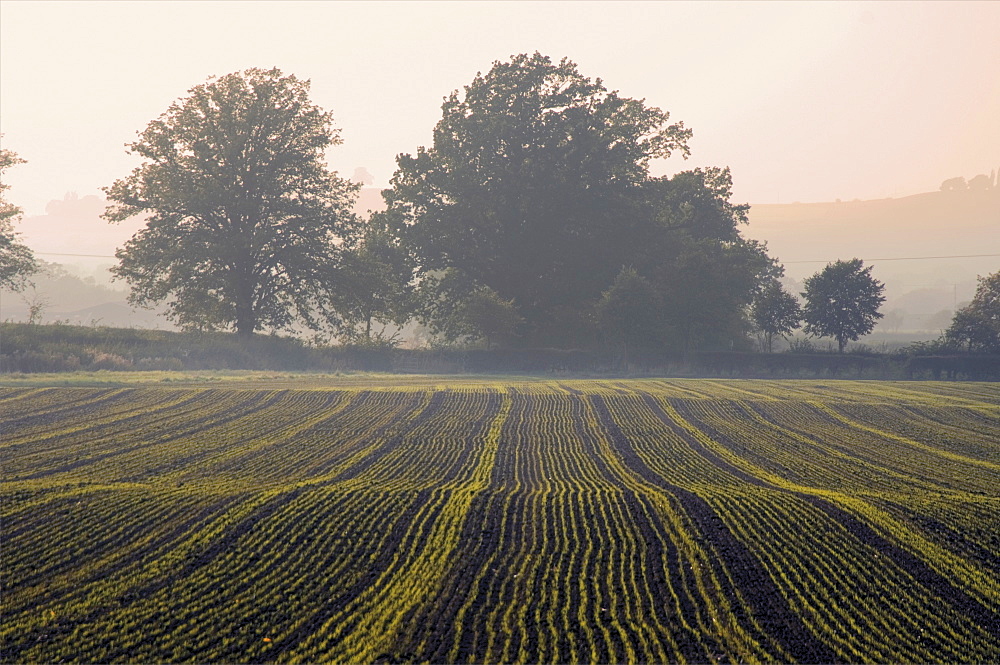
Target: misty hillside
73,226
921,293
58,296
79,247
931,224
910,226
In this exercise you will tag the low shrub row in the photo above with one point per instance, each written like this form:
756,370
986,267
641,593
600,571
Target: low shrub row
30,348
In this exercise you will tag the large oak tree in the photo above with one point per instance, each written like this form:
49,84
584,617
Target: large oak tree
244,218
538,188
527,188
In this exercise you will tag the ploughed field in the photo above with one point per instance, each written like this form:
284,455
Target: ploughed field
502,521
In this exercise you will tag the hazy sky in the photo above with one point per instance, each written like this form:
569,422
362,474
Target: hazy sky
805,101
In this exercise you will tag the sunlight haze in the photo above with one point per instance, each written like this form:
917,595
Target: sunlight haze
805,101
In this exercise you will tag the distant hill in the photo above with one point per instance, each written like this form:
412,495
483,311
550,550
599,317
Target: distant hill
72,235
67,298
936,223
924,291
73,226
932,224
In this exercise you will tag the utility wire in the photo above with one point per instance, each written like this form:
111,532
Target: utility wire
892,258
906,258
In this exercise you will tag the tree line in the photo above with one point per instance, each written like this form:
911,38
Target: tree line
531,220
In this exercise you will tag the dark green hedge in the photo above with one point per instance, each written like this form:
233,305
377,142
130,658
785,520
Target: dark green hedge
65,348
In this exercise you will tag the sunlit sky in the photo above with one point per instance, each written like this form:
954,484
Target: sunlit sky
809,101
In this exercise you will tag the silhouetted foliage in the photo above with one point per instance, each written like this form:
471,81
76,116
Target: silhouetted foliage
375,283
527,187
631,311
457,311
689,246
976,327
244,216
17,261
490,317
775,311
842,301
980,183
954,185
538,187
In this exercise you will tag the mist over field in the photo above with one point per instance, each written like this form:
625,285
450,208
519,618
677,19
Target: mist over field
922,291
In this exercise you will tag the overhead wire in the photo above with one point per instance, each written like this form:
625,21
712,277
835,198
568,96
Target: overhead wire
905,258
890,258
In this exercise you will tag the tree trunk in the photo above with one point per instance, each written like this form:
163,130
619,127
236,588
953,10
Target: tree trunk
245,326
246,318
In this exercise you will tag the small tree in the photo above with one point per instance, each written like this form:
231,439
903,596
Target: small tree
775,311
977,325
17,262
631,311
893,319
954,185
457,311
490,317
376,284
37,303
244,217
842,301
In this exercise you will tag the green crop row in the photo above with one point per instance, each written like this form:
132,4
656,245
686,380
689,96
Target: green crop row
502,521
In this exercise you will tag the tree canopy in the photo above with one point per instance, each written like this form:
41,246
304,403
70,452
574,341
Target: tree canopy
775,312
537,186
977,325
17,262
524,188
375,284
691,249
842,301
631,311
457,310
243,217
